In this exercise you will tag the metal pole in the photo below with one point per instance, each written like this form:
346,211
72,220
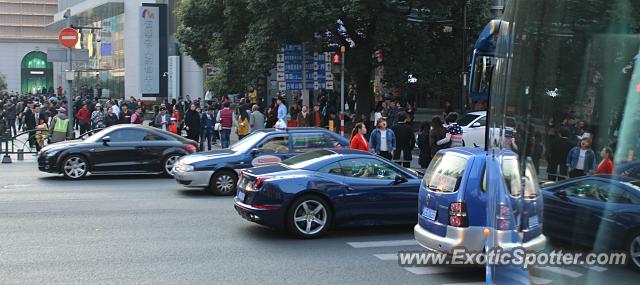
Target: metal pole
463,101
70,126
342,51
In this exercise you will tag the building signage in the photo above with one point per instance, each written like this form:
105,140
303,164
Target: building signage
149,54
293,67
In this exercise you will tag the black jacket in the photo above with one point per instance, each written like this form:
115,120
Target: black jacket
559,149
404,136
110,120
192,120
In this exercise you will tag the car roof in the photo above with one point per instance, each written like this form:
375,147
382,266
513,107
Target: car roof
345,151
294,130
478,113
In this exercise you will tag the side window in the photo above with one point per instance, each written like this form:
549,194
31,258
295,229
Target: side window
482,121
333,168
279,144
619,195
333,142
127,135
588,189
369,169
308,141
153,137
444,173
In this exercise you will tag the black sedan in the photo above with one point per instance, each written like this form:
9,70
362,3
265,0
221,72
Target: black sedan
117,150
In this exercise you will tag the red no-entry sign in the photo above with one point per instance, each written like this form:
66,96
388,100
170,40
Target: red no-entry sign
68,37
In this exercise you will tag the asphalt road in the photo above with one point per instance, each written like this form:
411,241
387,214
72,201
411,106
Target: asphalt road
149,230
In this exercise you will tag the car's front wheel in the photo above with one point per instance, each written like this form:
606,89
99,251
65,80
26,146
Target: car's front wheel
74,167
309,217
223,183
633,248
168,164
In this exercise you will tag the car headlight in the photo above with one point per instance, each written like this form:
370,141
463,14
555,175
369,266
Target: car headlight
184,167
52,153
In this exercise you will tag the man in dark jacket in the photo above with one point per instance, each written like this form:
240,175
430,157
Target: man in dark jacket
405,141
125,115
192,124
558,151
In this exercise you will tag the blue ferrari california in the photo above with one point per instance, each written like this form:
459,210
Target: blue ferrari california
310,193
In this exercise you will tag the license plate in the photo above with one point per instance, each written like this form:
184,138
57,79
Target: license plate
241,196
533,221
429,214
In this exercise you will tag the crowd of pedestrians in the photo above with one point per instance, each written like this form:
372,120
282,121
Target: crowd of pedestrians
567,148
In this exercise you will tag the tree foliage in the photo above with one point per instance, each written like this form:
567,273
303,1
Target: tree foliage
242,37
3,82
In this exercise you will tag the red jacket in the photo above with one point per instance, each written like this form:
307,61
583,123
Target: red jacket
358,142
83,115
605,167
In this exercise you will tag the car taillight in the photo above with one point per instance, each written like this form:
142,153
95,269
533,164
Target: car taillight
504,218
458,215
260,180
190,148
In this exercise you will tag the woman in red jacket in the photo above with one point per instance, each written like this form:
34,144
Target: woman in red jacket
606,165
357,138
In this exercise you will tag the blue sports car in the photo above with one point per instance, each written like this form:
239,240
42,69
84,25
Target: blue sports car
310,193
598,211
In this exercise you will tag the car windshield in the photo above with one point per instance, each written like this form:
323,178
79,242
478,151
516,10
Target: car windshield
467,119
98,136
304,160
248,142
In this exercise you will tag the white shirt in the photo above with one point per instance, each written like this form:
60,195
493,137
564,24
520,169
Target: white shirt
383,141
116,110
164,120
580,164
376,116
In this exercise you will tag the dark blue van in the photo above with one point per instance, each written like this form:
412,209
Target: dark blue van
453,202
217,171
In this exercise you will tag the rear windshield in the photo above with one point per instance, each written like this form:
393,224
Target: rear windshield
306,159
444,173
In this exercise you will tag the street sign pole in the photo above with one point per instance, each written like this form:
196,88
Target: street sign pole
342,52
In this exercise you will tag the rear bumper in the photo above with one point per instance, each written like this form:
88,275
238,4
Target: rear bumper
267,217
472,238
193,178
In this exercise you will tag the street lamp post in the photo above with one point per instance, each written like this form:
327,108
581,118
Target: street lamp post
342,52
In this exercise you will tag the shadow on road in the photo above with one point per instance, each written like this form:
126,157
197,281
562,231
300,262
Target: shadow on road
199,193
97,177
265,233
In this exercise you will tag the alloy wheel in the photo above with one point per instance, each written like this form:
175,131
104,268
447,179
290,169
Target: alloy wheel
75,167
310,217
225,183
634,251
170,163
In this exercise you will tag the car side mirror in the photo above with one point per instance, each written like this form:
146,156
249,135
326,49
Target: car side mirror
476,125
106,140
561,194
399,179
255,151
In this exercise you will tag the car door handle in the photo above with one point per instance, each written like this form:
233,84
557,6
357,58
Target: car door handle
141,147
349,188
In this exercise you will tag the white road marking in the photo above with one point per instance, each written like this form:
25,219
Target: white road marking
539,281
387,256
431,270
596,268
561,271
383,243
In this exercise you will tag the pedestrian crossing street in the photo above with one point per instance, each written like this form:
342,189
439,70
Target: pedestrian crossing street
387,251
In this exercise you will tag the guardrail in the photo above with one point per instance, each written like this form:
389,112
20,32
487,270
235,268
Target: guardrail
21,143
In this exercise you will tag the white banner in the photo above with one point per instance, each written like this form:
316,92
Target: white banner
174,77
149,50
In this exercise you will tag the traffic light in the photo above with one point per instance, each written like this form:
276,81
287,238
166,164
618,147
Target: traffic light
336,58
